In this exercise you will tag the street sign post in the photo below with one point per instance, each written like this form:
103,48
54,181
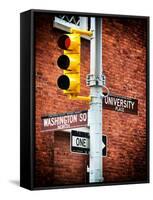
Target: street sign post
95,111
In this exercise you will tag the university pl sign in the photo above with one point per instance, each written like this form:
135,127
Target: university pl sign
80,119
121,104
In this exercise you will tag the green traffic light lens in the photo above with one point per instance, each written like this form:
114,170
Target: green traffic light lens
63,62
63,82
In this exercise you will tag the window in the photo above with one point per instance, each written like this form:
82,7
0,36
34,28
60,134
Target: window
73,20
65,22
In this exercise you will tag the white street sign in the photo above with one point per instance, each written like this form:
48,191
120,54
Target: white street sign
80,142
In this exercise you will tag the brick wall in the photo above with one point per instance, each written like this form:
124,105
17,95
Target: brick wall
124,63
69,168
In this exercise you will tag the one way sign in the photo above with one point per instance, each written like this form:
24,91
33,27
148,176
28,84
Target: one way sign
80,143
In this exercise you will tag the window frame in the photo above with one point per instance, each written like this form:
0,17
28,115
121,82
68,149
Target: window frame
65,26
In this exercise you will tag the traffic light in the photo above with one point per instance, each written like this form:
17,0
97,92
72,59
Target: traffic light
69,82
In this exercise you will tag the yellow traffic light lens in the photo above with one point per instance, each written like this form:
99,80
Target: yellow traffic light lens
63,82
63,62
64,42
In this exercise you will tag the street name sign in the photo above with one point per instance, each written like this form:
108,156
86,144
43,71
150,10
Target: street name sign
121,104
78,119
65,121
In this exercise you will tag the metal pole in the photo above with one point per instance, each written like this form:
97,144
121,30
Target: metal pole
95,112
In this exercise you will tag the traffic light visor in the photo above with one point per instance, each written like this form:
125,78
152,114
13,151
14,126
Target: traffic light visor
63,82
64,42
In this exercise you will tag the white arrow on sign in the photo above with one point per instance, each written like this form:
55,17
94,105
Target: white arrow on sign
103,145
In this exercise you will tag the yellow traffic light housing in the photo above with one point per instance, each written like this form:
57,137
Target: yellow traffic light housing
69,82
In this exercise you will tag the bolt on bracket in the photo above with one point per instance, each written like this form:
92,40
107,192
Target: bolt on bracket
95,80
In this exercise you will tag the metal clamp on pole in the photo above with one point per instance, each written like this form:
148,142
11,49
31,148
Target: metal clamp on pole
94,80
103,79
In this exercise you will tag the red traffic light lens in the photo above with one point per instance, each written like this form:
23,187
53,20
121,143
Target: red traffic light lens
63,62
63,82
64,42
67,42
